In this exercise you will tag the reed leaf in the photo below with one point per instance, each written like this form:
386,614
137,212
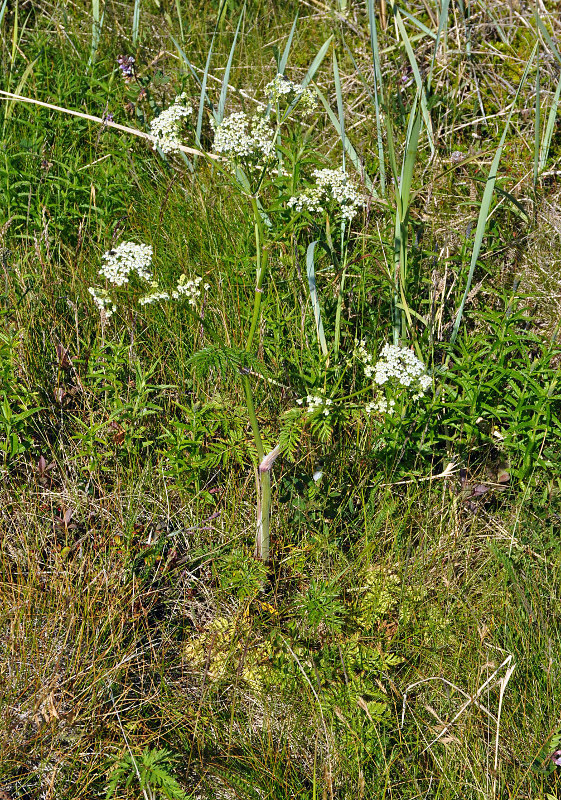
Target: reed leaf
378,94
350,150
549,128
314,296
417,76
486,203
219,116
135,22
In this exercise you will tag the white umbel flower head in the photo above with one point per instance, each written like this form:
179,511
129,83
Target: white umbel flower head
103,301
239,137
165,130
331,185
315,402
188,288
154,295
126,258
401,366
282,87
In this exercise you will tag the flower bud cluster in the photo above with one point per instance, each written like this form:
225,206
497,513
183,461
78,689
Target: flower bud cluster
399,365
331,185
103,301
126,258
165,130
241,137
283,87
315,403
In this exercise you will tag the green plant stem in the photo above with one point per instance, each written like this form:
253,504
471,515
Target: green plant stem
262,259
262,537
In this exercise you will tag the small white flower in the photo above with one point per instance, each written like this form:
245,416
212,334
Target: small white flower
316,403
126,258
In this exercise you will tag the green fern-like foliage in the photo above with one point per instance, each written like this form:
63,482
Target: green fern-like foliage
291,431
150,772
226,361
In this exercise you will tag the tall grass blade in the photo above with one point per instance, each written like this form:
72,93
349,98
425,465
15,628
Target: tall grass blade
284,59
97,23
314,296
180,18
219,116
15,36
378,94
548,38
188,64
537,124
351,152
420,25
203,95
402,312
549,128
3,11
486,203
135,22
316,63
23,80
442,24
340,109
417,76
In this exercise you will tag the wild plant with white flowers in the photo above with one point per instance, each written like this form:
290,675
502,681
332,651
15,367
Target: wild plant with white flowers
130,259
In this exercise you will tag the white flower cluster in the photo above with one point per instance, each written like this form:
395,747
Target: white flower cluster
281,87
362,353
331,184
315,403
126,258
103,301
154,295
382,406
402,365
165,130
189,288
241,137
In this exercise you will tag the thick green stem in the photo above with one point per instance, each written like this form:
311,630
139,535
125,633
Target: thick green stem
262,536
262,258
263,482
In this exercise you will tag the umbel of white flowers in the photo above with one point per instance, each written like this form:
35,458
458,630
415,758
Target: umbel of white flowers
129,258
315,402
281,86
398,369
331,185
241,137
165,130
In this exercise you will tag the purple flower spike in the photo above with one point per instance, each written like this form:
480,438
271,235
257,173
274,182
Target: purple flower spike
126,65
